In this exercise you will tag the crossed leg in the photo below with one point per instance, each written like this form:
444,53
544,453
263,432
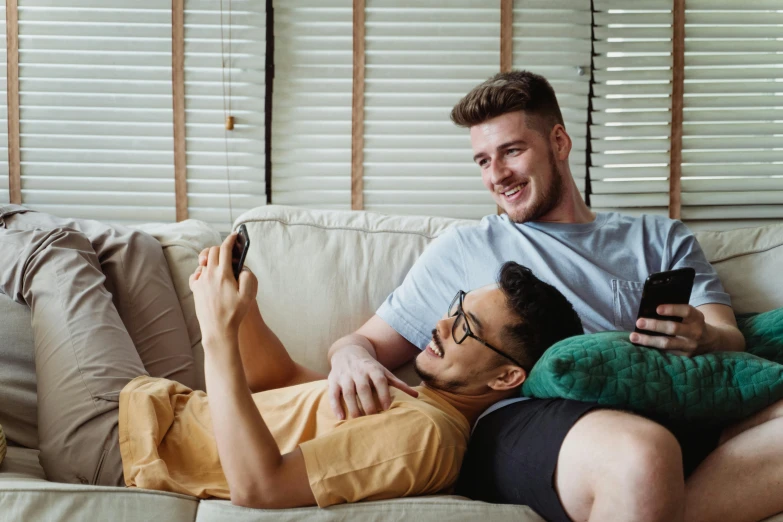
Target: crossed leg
140,285
84,354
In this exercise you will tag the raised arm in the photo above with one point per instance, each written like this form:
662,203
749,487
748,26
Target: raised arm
258,475
361,368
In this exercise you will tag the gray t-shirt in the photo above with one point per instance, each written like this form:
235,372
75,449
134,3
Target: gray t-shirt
600,267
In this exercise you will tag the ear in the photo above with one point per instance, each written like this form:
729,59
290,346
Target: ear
560,142
511,377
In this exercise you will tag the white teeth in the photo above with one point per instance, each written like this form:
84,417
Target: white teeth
513,191
437,350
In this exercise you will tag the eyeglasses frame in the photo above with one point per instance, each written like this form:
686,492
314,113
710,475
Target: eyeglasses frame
468,332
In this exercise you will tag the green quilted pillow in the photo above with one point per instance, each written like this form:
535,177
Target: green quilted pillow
606,368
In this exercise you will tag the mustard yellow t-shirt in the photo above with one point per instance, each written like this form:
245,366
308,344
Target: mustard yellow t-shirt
413,448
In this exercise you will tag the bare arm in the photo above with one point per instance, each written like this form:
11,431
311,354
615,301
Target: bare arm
361,364
258,475
722,333
256,472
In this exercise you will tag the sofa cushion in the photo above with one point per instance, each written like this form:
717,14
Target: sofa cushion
422,509
27,496
748,262
181,243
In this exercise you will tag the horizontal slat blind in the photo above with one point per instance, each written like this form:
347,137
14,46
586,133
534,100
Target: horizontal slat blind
733,111
214,154
96,109
311,120
631,106
422,56
4,194
553,38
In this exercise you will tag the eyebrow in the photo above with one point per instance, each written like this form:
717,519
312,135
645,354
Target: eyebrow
503,146
476,322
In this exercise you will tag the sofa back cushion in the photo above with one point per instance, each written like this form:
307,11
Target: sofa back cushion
748,262
322,274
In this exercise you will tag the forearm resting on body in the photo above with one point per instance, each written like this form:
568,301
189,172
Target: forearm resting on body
359,382
353,343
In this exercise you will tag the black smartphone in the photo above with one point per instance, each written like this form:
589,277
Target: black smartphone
672,287
239,252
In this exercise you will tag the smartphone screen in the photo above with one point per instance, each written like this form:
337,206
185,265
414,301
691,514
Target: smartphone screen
241,245
672,287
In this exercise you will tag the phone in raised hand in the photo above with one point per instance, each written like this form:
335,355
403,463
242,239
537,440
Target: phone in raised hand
239,252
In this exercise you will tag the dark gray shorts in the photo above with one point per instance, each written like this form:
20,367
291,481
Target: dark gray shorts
513,452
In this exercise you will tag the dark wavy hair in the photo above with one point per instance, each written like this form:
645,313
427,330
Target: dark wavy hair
545,315
510,92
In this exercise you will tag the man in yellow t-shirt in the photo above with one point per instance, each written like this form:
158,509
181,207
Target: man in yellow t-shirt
283,447
105,316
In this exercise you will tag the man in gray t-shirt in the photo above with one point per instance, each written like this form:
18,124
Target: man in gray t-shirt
565,459
599,266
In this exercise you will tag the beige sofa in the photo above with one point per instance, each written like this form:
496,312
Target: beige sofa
321,274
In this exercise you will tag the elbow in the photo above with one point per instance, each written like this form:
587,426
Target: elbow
259,498
249,499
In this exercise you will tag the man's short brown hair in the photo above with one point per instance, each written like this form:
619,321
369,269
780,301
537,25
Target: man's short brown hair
510,92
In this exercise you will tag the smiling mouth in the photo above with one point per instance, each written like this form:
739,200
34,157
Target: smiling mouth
434,349
510,193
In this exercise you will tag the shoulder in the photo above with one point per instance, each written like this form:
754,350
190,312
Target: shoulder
425,415
648,226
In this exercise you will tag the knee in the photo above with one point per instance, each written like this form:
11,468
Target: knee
143,245
625,458
648,456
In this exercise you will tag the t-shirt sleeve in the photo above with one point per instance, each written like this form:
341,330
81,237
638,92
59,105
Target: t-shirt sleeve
685,251
397,454
422,298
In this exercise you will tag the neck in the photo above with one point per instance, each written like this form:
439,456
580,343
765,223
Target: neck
572,208
471,406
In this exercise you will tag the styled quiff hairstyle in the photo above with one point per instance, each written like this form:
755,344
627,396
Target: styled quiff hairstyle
510,92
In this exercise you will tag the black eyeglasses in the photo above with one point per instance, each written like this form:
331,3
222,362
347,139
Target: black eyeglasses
460,329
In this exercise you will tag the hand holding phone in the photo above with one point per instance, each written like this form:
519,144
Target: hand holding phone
665,288
239,251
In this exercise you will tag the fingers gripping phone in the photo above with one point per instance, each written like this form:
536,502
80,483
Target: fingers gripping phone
672,287
239,252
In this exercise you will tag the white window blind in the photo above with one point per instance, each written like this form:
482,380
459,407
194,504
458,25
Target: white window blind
4,193
733,110
311,118
553,38
422,56
96,109
216,155
631,106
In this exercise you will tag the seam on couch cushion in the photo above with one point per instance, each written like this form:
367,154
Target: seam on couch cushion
734,256
103,490
350,229
373,506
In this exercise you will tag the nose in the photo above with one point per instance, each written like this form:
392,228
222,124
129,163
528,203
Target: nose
443,327
499,172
